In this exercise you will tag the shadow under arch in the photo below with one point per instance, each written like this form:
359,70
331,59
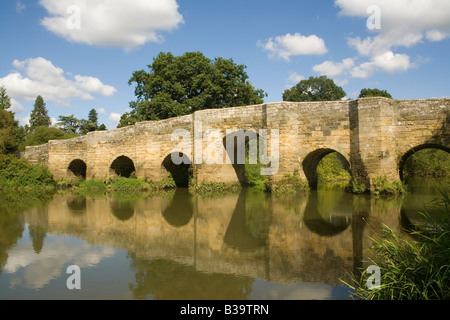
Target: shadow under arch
238,145
180,210
328,216
313,159
78,168
122,167
181,173
408,154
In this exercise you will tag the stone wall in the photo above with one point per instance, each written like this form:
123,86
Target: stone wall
374,134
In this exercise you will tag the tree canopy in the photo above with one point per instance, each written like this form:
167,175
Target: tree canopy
314,89
10,132
5,100
180,85
39,116
366,93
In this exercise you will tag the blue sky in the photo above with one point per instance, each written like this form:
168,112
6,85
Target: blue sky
80,54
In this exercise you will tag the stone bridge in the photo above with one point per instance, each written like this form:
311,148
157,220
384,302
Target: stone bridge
374,135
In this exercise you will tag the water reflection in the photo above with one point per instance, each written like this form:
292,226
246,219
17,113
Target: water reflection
180,246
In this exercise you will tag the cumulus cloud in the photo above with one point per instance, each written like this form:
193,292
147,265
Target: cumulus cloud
38,76
403,23
292,45
115,117
120,23
331,69
387,62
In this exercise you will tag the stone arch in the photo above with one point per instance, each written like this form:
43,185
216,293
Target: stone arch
235,145
410,152
122,167
77,168
182,172
312,160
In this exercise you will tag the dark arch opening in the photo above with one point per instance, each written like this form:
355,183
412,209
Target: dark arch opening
239,146
311,162
78,168
123,167
405,165
181,173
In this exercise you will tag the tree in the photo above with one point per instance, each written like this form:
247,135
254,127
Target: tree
39,116
10,133
315,89
42,135
176,86
69,123
93,117
366,93
5,100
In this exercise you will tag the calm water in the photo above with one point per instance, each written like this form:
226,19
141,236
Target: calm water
176,246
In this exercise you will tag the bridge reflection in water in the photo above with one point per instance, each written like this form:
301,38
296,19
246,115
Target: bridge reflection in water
182,246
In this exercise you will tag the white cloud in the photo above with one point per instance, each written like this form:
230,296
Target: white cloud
101,111
292,45
295,78
436,35
38,76
20,6
403,22
17,107
387,62
115,117
120,23
332,69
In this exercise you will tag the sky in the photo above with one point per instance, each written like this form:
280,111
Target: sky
79,55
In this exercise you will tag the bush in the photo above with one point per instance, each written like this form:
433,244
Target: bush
382,186
16,173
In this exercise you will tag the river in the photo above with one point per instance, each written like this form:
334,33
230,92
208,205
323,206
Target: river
173,245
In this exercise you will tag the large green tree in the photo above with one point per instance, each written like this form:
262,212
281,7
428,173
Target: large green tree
180,85
42,135
10,133
5,100
39,116
366,93
314,89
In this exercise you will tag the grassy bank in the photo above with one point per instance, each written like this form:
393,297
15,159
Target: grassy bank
413,268
17,174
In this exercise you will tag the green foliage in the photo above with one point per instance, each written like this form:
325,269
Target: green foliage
382,186
17,173
357,187
42,135
39,116
10,133
366,93
332,169
5,100
427,163
415,268
315,89
177,86
290,184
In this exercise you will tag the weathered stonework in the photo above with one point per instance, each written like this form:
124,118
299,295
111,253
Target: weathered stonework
375,135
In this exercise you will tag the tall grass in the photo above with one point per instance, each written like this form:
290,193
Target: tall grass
415,268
